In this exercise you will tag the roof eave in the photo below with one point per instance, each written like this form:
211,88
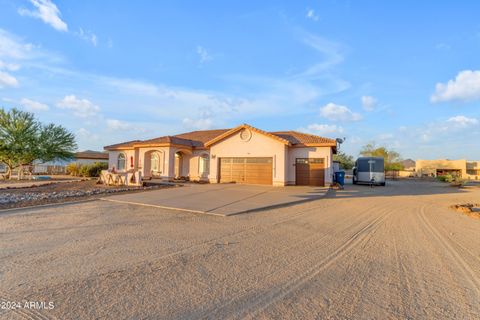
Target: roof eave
245,126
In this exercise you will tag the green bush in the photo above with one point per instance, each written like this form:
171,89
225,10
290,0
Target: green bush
93,170
83,172
445,178
86,170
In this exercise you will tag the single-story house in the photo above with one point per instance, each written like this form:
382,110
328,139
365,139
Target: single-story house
90,157
243,154
461,168
80,157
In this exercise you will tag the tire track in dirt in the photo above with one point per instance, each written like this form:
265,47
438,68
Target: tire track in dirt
468,272
408,297
250,229
277,293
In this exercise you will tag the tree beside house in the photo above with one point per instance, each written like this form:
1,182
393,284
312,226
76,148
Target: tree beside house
23,140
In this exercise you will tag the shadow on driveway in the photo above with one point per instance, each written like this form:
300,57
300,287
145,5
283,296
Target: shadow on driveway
222,199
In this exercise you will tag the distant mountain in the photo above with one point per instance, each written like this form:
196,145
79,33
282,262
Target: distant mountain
408,163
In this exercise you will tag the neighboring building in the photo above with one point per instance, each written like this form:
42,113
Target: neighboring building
89,157
59,166
243,154
460,168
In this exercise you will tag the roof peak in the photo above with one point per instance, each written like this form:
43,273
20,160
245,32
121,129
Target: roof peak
204,138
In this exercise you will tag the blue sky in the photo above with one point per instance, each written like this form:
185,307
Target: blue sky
403,74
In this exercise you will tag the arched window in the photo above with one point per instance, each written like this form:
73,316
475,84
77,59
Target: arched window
204,164
155,162
121,161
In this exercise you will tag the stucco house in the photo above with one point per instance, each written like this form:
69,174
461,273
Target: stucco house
243,154
461,168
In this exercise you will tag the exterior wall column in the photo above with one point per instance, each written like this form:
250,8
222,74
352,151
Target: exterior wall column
170,163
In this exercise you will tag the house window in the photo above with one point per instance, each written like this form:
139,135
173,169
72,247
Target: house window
204,164
155,162
121,161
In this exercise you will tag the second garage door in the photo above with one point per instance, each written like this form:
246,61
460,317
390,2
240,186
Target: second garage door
310,171
246,170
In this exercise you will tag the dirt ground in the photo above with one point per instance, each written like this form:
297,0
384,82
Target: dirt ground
71,191
395,252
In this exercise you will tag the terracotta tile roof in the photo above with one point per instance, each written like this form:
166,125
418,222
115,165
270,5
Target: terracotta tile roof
198,139
89,154
241,127
303,138
127,144
168,139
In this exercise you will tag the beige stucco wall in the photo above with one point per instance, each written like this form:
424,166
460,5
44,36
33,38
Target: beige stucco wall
193,164
143,160
429,167
113,157
259,145
473,165
310,152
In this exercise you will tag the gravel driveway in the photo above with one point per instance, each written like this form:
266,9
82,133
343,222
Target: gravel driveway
397,252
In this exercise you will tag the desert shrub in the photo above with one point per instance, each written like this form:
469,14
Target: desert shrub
445,178
93,170
458,182
73,169
83,171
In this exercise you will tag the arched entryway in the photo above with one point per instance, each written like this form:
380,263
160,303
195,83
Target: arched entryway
153,162
178,164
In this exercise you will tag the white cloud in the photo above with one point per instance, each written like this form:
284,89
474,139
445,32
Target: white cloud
9,66
203,54
114,124
311,15
199,124
331,51
32,105
46,11
465,87
386,136
87,36
322,129
462,121
369,103
82,108
86,137
12,47
438,130
335,112
7,80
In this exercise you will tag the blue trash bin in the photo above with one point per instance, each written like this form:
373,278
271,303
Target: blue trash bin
340,177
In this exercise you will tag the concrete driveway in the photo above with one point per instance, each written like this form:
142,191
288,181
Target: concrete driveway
222,199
